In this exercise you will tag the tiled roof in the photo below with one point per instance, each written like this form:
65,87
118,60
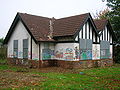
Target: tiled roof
39,26
69,25
100,24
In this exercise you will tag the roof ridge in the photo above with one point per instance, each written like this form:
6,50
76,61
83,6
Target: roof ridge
33,15
100,19
73,16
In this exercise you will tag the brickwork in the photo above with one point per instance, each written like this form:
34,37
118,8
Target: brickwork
61,63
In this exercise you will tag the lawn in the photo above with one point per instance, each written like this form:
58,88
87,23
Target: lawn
56,78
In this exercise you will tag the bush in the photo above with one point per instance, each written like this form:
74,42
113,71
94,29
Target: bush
117,54
3,53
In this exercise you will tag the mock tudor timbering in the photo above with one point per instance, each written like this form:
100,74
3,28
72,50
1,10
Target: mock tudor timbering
72,38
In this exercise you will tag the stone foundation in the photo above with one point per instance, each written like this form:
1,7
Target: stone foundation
85,63
61,63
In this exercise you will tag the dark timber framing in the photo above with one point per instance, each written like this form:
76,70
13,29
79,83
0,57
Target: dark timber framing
31,49
102,35
39,52
86,30
39,56
82,33
89,30
105,34
92,35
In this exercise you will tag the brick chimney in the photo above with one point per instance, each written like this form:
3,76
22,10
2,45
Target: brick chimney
51,22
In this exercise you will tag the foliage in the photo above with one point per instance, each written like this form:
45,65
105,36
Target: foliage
114,16
92,79
102,14
1,40
3,53
117,54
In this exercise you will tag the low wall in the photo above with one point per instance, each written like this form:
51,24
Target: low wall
31,63
61,63
85,63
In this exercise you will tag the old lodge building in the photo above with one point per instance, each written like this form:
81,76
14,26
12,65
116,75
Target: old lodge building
76,41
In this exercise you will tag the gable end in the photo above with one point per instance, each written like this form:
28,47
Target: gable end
12,28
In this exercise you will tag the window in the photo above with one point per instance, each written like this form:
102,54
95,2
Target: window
85,49
25,48
105,49
15,47
46,45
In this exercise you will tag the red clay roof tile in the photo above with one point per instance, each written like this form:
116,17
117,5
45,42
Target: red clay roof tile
39,26
100,24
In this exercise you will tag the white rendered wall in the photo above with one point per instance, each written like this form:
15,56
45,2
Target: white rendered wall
111,51
93,36
90,32
35,51
96,51
19,34
76,49
80,33
105,32
64,51
87,30
76,39
41,48
110,39
100,37
84,31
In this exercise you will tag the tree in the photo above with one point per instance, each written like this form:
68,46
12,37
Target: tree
114,16
1,40
102,14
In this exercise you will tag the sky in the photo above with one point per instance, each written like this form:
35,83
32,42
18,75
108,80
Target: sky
46,8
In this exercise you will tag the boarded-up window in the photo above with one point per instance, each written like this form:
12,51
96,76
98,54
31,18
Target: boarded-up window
46,53
25,48
46,45
88,44
104,49
85,49
15,47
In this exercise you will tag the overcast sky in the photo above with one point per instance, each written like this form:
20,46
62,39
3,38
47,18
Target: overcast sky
46,8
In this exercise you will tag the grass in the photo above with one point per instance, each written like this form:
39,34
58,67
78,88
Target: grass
3,61
106,78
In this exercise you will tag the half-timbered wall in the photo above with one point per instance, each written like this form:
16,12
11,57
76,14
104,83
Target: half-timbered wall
105,41
86,32
105,35
86,37
80,49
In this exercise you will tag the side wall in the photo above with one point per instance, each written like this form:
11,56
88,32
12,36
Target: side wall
107,36
95,51
19,34
64,51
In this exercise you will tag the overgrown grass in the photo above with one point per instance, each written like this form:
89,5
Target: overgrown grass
3,61
93,79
